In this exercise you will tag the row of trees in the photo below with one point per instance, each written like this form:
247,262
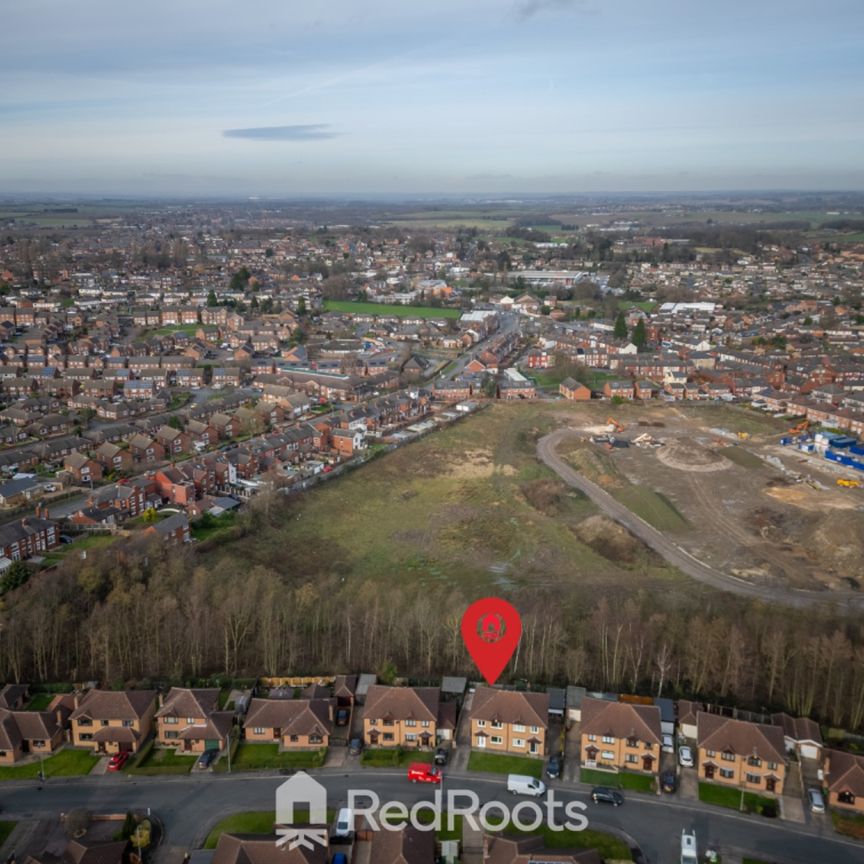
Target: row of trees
159,614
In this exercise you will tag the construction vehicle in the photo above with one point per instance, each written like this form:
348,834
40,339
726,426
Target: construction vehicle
616,426
744,436
803,426
848,484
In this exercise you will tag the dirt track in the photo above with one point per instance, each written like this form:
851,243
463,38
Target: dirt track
671,552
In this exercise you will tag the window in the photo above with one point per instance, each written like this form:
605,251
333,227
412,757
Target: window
607,754
388,736
518,727
497,739
710,753
410,722
410,736
87,736
258,730
535,730
772,766
38,743
127,724
632,742
497,724
726,756
85,721
387,723
171,734
631,758
755,779
727,773
169,721
294,739
518,742
592,737
608,739
754,762
481,723
315,739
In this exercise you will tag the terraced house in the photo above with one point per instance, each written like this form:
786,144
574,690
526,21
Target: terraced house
109,722
737,753
506,721
409,717
620,735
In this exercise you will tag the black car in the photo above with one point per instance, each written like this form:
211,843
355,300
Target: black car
553,767
604,795
442,754
668,781
355,746
205,760
342,717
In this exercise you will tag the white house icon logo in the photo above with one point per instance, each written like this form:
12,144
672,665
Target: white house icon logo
307,792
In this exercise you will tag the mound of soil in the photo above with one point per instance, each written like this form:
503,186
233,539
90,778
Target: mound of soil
686,455
608,539
837,542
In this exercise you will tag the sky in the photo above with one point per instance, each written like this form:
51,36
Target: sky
279,98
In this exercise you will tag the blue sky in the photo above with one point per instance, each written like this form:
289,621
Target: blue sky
282,98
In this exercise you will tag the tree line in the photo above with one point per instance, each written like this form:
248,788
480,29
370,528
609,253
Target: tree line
159,615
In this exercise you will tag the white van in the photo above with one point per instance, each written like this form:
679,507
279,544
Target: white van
344,822
521,784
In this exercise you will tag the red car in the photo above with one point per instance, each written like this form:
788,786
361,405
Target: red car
420,772
118,760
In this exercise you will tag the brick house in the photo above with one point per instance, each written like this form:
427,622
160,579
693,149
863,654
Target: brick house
82,468
844,778
173,440
570,388
409,717
620,735
741,754
500,849
297,724
622,388
25,733
144,449
32,535
506,721
174,529
191,721
109,722
113,458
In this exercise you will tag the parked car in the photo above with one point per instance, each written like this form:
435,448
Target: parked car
340,858
553,767
342,715
817,802
206,759
442,754
685,756
355,746
520,784
668,744
668,781
605,795
344,822
422,772
689,848
118,760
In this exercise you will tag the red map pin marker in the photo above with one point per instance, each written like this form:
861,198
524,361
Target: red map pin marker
491,629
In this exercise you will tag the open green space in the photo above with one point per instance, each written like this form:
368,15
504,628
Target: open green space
40,701
610,847
208,526
498,763
82,543
254,822
168,329
257,757
655,508
381,757
358,307
163,760
619,780
66,763
734,799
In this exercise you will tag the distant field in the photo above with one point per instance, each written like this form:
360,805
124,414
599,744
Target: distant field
645,305
398,310
191,329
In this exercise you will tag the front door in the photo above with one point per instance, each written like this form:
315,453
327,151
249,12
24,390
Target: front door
770,783
647,763
709,772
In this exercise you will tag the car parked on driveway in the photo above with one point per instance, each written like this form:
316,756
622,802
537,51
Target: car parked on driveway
554,767
442,754
668,744
118,760
817,802
669,781
355,747
206,759
605,795
342,715
685,756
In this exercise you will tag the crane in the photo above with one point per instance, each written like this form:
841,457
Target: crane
616,426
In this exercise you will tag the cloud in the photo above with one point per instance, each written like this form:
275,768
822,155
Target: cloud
302,132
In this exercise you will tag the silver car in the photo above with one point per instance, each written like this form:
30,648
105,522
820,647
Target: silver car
817,802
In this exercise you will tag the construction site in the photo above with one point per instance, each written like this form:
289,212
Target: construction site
762,503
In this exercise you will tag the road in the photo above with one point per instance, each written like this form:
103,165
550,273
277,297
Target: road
189,806
674,554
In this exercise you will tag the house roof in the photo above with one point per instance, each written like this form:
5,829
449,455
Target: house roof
798,728
402,703
114,705
78,852
408,846
526,850
217,725
741,737
186,702
11,694
292,716
510,706
232,849
620,719
845,773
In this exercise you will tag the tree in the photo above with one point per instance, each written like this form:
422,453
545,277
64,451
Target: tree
17,574
620,327
301,306
638,337
212,299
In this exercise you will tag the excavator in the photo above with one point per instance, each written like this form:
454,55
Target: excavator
616,426
803,426
744,436
849,484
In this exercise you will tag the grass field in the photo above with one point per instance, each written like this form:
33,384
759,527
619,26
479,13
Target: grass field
621,780
654,508
395,309
40,701
251,822
378,757
163,761
66,763
610,847
496,763
191,329
724,796
468,509
258,757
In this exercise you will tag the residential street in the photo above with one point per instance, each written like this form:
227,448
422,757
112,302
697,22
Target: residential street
673,553
189,806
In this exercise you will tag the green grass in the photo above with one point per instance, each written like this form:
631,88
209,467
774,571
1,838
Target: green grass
726,796
621,780
254,822
498,763
743,457
6,828
357,307
381,757
848,824
66,763
754,861
610,847
163,760
644,305
207,526
40,702
259,757
653,507
168,329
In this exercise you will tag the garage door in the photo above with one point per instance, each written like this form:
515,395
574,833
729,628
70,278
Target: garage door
809,751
